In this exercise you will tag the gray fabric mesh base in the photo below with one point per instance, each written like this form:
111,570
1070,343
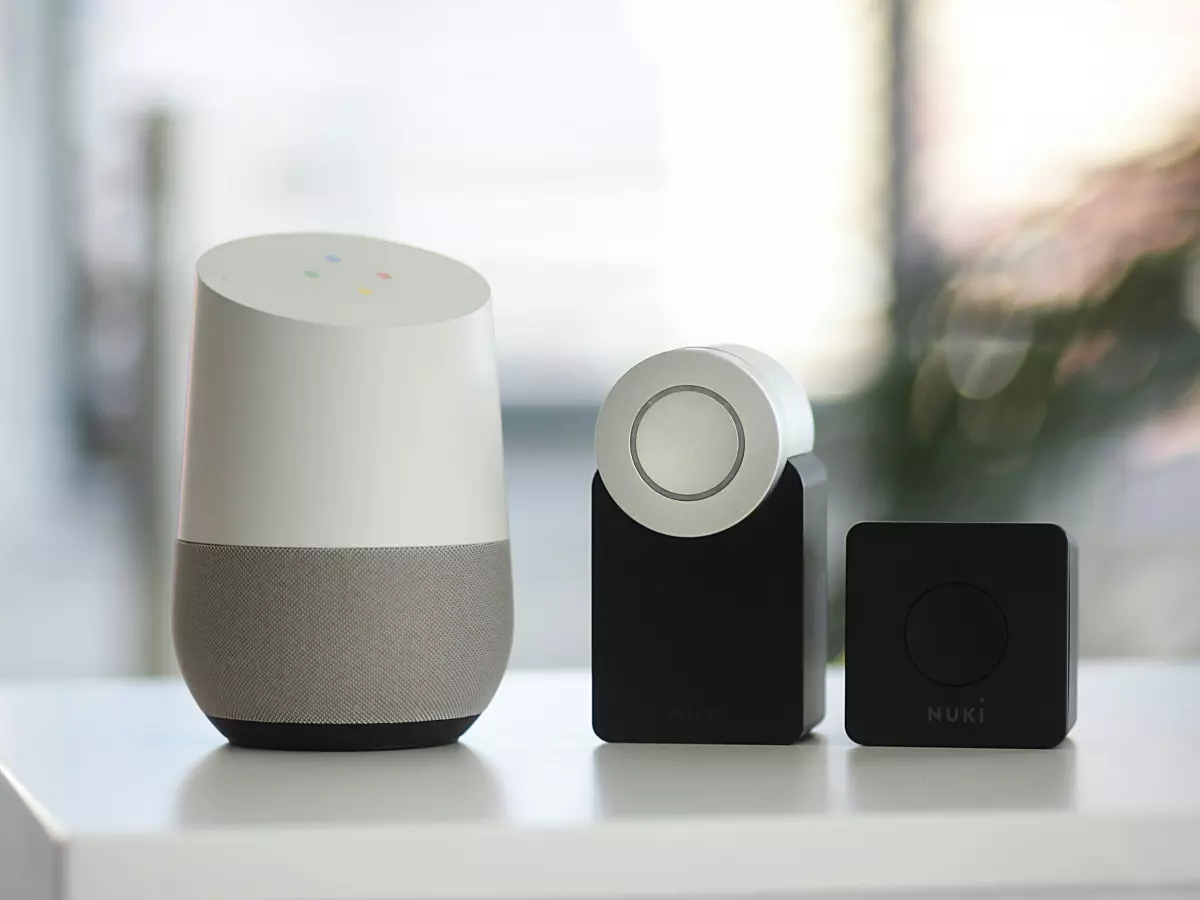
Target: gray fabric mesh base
342,636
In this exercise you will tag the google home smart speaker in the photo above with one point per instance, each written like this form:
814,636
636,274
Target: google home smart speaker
708,553
342,574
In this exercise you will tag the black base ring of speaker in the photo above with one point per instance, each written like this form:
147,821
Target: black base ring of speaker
305,736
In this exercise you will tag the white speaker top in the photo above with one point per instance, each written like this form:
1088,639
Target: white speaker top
689,442
333,279
343,393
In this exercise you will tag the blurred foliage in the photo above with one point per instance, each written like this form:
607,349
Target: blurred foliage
1007,386
1086,370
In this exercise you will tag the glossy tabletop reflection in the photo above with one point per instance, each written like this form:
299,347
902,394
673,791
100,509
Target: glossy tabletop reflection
96,765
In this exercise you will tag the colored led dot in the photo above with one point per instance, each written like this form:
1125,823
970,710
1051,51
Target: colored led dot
333,257
384,275
310,273
364,290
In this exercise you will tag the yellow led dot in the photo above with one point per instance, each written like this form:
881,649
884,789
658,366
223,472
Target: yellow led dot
364,290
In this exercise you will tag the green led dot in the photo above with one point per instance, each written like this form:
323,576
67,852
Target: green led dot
310,273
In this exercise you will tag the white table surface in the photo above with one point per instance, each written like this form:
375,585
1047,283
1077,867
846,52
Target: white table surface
120,790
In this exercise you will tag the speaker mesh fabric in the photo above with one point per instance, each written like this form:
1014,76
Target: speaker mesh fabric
342,635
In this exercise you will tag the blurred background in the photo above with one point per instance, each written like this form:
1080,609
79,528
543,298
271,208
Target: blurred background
970,227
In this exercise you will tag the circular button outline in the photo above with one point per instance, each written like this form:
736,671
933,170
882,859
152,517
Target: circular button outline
757,407
937,587
737,461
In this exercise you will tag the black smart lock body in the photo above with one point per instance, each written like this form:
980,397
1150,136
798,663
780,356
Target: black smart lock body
716,634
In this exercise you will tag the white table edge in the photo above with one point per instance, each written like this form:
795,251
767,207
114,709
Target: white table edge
648,857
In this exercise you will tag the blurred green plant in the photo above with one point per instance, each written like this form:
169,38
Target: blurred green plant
1085,371
1076,326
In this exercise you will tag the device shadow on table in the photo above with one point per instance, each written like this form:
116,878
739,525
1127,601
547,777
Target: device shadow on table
929,779
679,779
234,786
672,779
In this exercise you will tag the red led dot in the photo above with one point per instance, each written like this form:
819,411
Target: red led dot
384,275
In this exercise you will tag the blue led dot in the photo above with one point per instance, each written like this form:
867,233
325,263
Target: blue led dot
333,257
